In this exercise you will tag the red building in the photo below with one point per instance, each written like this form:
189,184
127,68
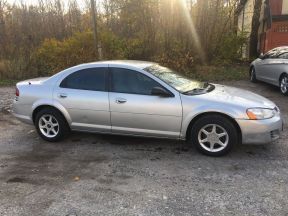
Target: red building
273,29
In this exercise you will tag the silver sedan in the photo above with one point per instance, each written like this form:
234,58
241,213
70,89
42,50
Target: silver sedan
272,68
145,99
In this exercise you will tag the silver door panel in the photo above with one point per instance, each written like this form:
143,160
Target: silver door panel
90,120
269,70
146,114
88,109
147,125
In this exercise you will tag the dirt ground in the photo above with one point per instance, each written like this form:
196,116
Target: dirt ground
90,174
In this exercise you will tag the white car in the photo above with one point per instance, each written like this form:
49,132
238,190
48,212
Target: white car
272,68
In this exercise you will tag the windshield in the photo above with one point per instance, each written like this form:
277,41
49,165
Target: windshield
178,81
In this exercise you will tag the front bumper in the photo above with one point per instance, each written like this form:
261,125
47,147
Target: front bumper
260,131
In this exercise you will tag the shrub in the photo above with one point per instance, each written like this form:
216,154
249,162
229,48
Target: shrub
228,50
3,69
53,55
15,68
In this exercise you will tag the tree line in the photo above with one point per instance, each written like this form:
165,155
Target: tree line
42,39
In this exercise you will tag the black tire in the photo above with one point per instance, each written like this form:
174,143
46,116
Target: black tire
62,129
222,124
252,74
283,89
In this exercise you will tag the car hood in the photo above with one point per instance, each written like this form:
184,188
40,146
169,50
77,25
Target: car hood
240,97
256,61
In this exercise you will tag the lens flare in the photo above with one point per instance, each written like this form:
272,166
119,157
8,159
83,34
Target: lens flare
192,30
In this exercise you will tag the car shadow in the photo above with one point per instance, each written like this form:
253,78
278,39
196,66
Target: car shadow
270,86
144,144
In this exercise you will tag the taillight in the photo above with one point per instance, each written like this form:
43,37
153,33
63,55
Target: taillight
17,92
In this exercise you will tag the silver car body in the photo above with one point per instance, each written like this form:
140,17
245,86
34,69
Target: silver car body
144,115
272,66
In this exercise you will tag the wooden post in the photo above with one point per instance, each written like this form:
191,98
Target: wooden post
94,20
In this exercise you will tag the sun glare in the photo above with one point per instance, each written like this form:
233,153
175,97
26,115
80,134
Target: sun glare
192,29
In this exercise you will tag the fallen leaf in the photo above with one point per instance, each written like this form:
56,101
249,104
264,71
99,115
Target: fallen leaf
76,178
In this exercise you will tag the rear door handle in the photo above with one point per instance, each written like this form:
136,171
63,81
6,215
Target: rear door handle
62,95
120,100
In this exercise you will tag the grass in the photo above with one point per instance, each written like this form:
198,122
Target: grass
219,73
8,82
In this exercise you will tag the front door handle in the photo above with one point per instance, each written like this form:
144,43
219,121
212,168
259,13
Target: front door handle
62,95
120,100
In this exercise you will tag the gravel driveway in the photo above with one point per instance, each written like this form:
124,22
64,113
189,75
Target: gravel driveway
90,174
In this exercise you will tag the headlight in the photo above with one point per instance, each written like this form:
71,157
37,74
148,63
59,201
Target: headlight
260,113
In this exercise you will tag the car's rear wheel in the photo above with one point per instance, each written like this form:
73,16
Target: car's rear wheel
51,125
253,75
284,84
214,135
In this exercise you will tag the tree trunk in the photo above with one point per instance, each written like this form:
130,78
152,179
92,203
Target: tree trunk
253,52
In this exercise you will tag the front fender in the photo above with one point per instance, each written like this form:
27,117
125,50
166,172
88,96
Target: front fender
189,116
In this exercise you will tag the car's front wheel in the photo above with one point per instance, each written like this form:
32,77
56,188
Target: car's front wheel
284,84
214,135
51,125
252,75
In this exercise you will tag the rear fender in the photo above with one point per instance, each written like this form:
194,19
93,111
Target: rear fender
55,104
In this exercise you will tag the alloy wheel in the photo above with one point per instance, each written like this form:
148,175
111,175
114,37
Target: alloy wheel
49,125
252,74
284,85
213,138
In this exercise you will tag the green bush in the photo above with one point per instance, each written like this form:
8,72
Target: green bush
3,69
112,46
53,55
228,50
15,68
8,82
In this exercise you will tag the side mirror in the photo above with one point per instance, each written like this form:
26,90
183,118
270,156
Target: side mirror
261,56
161,92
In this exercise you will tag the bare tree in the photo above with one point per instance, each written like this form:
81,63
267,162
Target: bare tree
253,52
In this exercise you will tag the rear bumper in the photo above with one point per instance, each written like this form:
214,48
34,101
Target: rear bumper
260,131
21,112
25,119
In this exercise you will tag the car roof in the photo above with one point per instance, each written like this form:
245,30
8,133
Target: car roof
117,63
281,48
131,63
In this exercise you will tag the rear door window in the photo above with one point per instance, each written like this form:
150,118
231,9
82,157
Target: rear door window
93,79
